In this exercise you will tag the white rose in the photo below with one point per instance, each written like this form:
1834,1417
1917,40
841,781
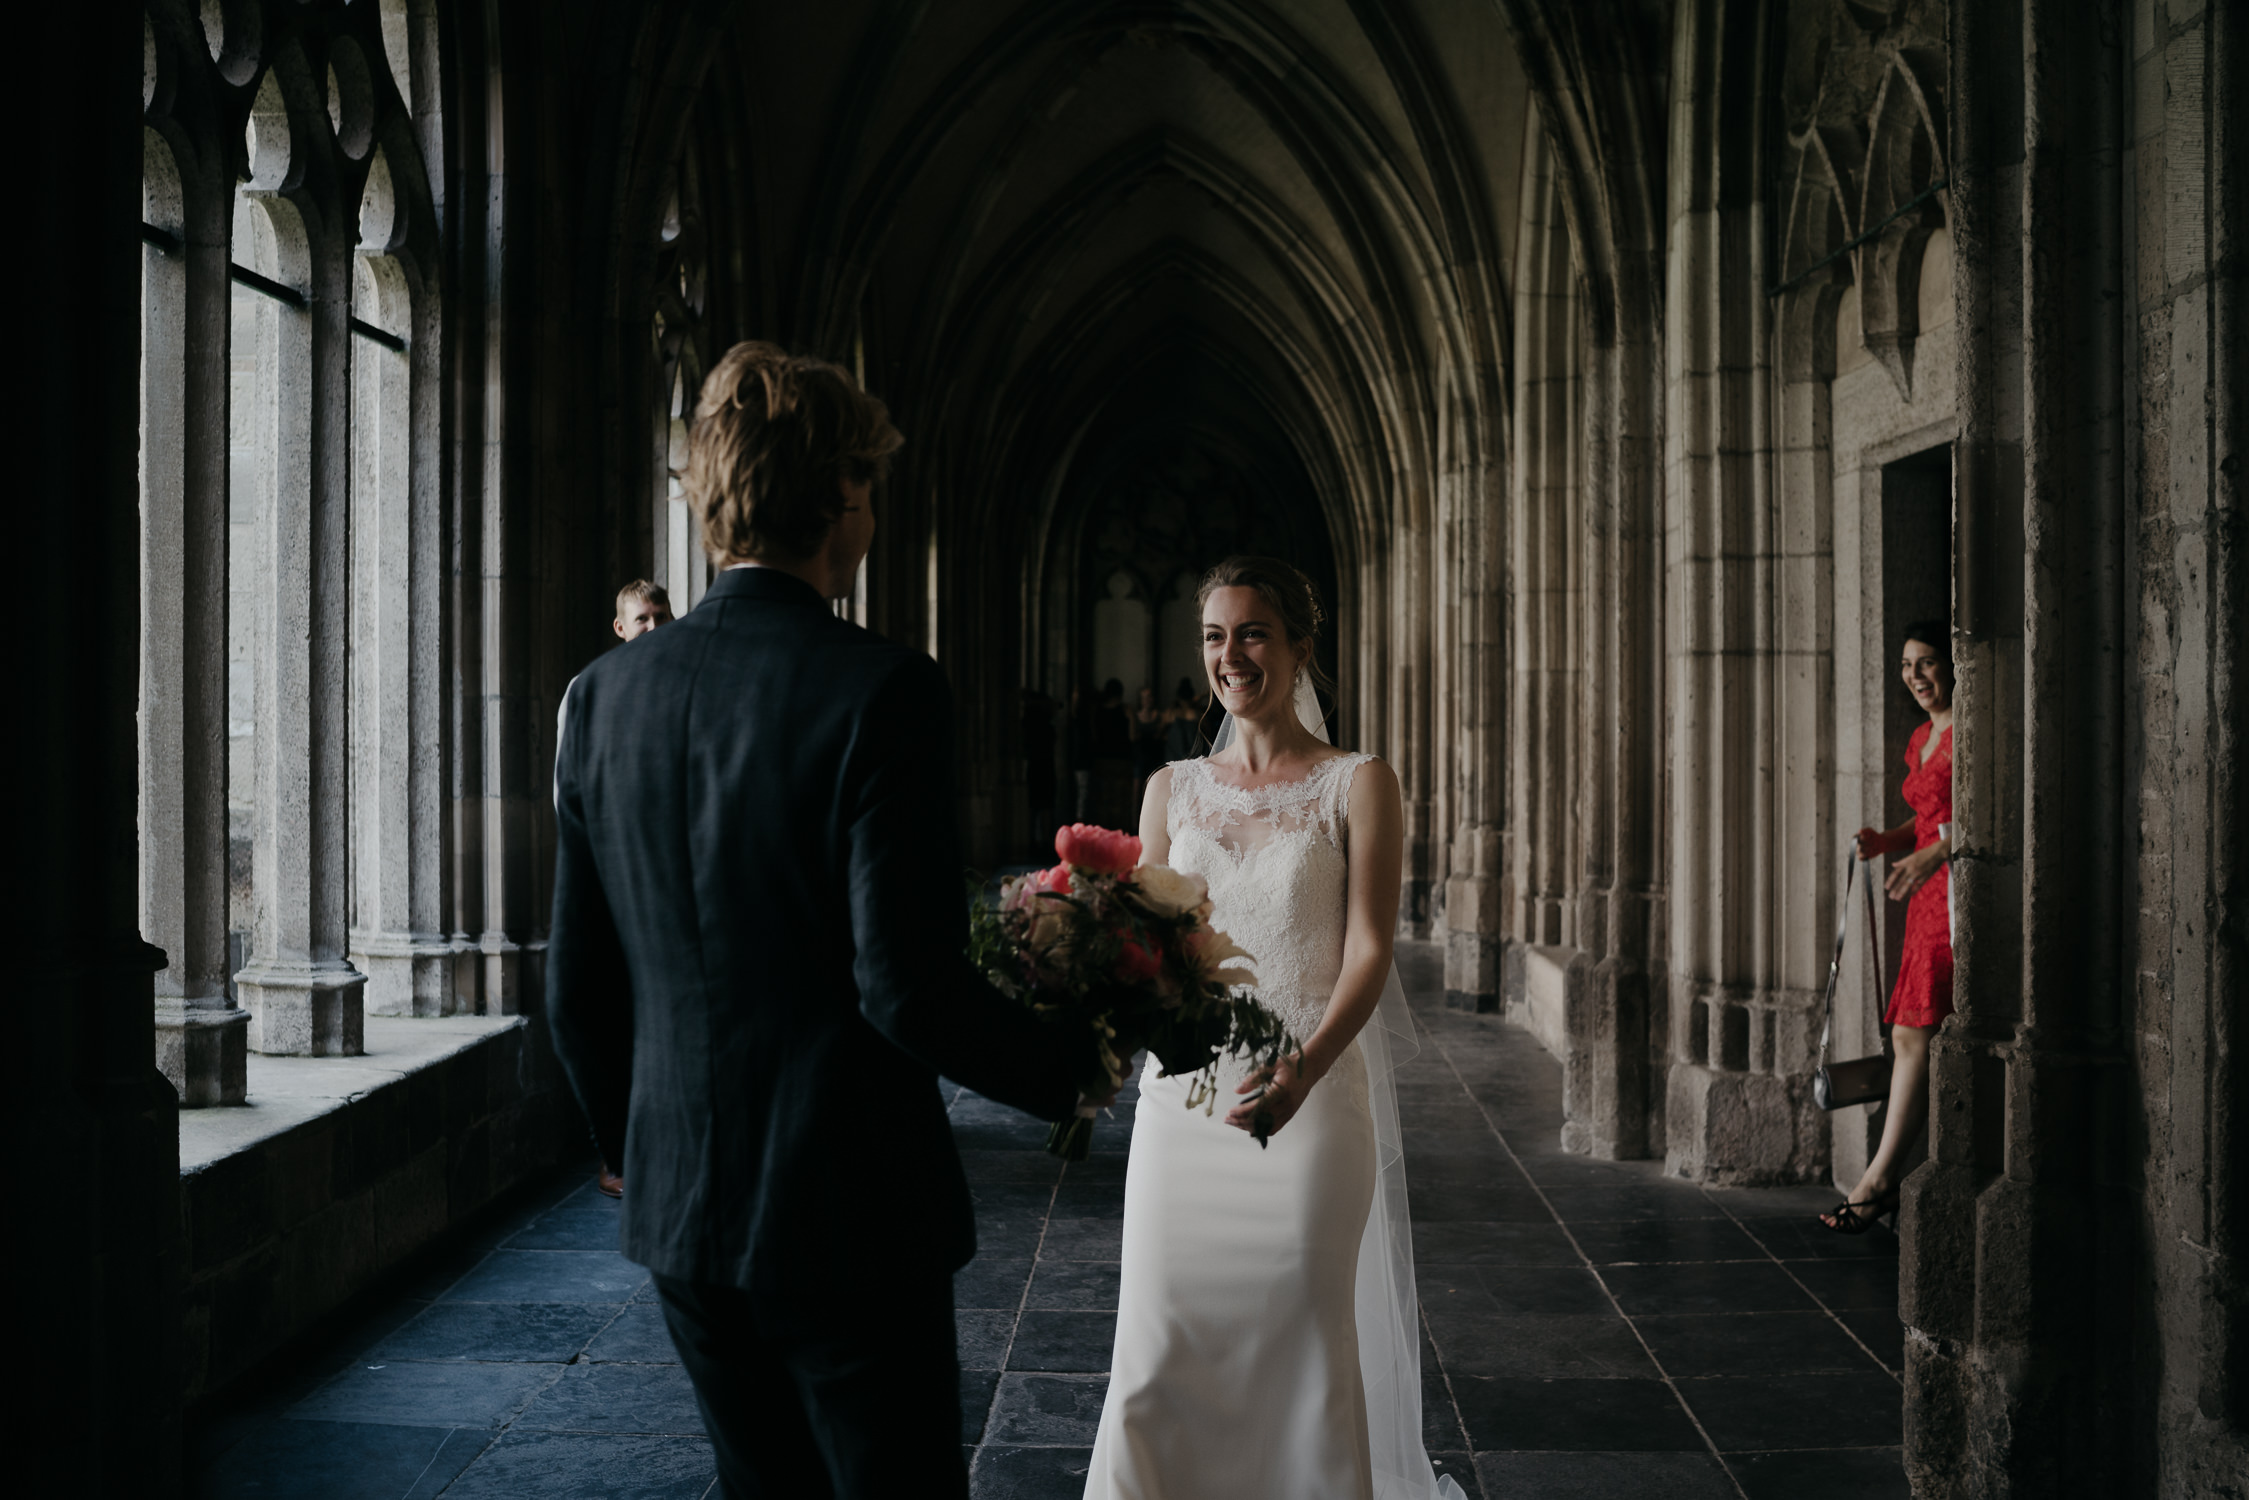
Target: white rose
1168,892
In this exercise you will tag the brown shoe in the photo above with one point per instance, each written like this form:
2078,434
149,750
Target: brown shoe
609,1184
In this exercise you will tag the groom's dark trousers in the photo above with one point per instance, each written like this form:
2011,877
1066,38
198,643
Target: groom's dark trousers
754,979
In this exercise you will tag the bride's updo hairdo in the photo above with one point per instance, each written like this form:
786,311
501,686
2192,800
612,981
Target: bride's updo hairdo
1287,590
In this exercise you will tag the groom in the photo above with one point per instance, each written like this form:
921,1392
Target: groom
756,970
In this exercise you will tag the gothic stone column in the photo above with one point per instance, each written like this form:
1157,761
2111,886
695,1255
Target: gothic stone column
302,994
201,1038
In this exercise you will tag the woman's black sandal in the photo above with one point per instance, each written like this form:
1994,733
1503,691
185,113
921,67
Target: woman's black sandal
1847,1218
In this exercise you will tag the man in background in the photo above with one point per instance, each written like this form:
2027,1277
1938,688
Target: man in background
641,607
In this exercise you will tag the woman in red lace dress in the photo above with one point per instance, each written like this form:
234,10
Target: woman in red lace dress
1918,850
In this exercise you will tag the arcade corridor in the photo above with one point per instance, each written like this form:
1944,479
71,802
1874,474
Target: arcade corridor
1630,378
1595,1331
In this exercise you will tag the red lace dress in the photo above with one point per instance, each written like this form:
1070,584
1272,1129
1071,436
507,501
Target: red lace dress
1923,996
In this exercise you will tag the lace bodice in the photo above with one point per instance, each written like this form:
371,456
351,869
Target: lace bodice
1277,861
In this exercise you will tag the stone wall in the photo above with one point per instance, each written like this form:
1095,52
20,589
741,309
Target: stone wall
342,1170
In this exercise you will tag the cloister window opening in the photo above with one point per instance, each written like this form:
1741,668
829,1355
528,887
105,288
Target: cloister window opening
290,571
680,347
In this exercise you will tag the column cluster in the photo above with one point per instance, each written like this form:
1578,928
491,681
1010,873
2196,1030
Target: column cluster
293,634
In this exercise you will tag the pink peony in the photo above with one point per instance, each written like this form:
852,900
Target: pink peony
1104,851
1056,879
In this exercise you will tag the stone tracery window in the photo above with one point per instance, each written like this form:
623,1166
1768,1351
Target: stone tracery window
680,346
289,822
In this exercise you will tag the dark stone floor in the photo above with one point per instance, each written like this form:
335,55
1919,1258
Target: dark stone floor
1593,1329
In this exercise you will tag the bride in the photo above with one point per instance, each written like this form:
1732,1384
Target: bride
1266,1342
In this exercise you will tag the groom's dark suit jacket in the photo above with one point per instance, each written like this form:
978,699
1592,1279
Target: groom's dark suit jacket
756,968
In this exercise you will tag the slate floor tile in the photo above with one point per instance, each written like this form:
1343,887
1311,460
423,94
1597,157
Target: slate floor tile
976,1402
1607,1476
616,1398
1446,1290
550,1276
1803,1237
1782,1343
589,1466
1575,1415
496,1332
1725,1286
1846,1474
1850,1283
1047,1410
982,1335
1879,1329
1080,1285
1518,1291
996,1282
638,1336
1802,1201
421,1393
1029,1473
1095,1171
1083,1239
1089,1200
1798,1411
1543,1348
1630,1201
1016,1165
1537,1242
1440,1424
341,1461
980,1125
1493,1201
1472,1243
1615,1241
1460,1466
1074,1342
1009,1234
585,1220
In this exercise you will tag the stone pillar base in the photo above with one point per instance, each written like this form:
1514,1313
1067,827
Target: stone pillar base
1739,1129
203,1050
305,1010
503,975
406,976
1472,965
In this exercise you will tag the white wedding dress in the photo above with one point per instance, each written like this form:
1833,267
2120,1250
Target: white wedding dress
1266,1345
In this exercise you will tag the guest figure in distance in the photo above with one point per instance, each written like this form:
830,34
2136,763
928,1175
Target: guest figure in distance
1148,723
1183,738
641,607
1919,849
757,968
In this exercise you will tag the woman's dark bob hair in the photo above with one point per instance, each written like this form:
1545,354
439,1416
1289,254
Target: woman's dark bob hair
1935,634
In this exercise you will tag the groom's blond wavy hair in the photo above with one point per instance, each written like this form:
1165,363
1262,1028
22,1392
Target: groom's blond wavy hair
774,437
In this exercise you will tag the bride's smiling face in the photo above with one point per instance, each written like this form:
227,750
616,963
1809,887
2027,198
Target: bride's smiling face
1247,655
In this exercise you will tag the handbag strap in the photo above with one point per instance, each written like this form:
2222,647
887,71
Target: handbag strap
1851,864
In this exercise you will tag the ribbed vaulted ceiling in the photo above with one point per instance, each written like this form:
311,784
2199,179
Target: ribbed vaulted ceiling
1242,262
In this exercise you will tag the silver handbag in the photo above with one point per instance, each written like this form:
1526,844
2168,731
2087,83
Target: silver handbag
1863,1080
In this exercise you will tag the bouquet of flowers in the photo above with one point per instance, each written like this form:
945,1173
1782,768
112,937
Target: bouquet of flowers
1130,952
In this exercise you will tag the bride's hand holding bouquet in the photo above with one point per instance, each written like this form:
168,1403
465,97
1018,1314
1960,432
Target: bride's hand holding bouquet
1128,951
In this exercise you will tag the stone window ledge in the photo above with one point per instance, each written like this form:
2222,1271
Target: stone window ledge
287,1092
